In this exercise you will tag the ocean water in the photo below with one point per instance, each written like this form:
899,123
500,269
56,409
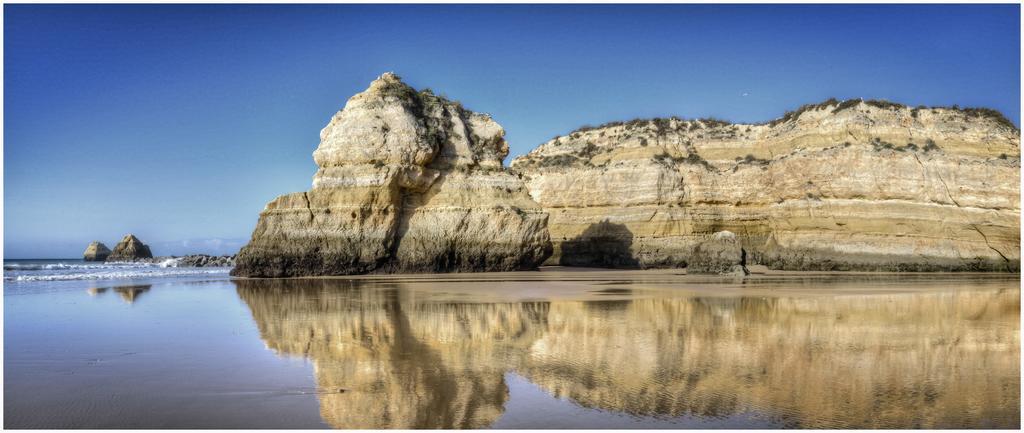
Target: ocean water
163,347
34,274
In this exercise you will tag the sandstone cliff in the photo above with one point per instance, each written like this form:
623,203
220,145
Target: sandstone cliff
853,185
407,182
129,249
96,252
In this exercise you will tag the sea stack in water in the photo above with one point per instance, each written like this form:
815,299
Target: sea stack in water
129,249
96,252
852,185
407,182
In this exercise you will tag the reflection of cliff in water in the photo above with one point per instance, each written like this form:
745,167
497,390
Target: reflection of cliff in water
925,360
131,293
384,360
907,360
128,293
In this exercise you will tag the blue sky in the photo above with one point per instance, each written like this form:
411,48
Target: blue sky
178,123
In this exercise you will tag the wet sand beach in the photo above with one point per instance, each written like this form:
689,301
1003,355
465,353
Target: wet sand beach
562,347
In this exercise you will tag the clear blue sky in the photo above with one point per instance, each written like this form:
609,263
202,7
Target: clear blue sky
179,122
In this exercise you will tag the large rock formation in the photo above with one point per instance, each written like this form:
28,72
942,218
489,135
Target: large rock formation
129,249
96,252
408,182
854,185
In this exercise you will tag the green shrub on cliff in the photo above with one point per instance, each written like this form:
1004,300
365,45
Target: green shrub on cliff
849,103
794,114
883,104
695,159
994,115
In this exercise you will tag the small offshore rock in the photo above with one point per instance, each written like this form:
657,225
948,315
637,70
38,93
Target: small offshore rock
96,252
130,249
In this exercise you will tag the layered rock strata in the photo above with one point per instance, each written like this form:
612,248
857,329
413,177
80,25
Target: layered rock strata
129,249
407,182
96,252
853,185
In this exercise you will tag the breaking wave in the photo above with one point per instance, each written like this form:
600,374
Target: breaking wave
120,275
65,271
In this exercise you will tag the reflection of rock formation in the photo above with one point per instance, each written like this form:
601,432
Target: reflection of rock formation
401,358
130,293
924,360
383,360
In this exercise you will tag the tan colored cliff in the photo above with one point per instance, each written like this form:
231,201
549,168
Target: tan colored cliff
386,355
408,181
854,185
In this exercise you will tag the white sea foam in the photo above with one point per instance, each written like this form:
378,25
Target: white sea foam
57,266
64,271
120,275
169,263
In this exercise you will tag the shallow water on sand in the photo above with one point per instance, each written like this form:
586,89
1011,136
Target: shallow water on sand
556,348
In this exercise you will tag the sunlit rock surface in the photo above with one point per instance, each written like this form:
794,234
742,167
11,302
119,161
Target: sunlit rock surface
854,185
129,249
407,182
391,355
96,252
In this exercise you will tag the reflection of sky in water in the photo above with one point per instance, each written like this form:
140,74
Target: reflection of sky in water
586,351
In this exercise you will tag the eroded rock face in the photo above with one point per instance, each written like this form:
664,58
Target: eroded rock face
96,252
721,253
407,182
854,185
129,249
